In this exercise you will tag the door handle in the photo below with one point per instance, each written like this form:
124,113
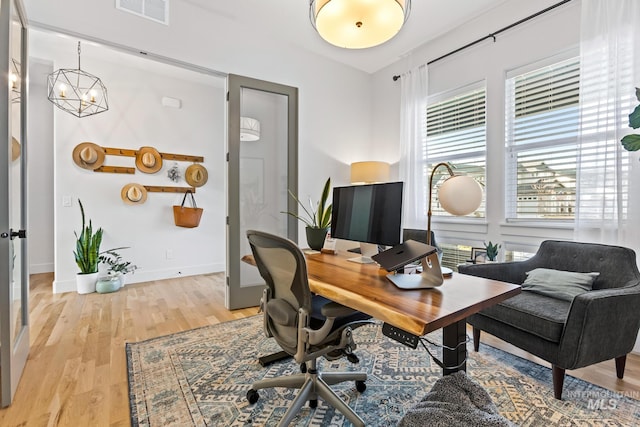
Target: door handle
21,234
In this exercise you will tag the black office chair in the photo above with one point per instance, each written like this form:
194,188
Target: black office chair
420,236
305,326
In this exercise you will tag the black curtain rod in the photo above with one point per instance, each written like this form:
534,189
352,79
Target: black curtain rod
494,34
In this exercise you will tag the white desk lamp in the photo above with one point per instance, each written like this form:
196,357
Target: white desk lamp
458,195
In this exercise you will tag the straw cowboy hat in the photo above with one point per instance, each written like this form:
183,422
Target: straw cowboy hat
196,175
88,155
133,194
15,149
148,160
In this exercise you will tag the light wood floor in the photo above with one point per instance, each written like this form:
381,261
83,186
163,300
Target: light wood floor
76,373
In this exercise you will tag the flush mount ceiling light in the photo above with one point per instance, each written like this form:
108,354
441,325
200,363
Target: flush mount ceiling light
249,129
77,92
358,24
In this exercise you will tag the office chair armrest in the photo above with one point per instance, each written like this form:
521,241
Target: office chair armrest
333,310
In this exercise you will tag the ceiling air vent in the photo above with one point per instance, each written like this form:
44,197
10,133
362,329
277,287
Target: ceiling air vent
156,10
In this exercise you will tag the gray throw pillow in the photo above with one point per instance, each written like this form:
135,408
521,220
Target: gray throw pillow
559,284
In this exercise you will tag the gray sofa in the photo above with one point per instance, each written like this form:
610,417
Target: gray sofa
597,325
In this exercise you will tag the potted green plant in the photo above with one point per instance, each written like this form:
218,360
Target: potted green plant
492,250
317,218
632,142
87,255
117,267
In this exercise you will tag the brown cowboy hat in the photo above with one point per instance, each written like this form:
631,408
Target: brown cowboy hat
148,160
196,175
88,155
133,194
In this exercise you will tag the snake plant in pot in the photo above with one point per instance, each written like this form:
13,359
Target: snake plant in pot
317,218
492,250
87,255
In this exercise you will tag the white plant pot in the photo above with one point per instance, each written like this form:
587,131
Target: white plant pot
86,283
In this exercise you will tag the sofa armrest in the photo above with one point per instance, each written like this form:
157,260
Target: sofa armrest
510,272
602,324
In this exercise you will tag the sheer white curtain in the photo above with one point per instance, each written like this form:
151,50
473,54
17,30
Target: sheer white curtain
606,207
413,112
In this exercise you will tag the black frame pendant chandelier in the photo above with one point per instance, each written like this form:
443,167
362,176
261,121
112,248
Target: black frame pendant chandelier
77,92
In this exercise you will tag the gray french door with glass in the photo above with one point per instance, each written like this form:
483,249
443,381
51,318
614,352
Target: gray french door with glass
14,274
262,165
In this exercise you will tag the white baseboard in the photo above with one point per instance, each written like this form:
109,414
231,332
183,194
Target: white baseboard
41,268
61,286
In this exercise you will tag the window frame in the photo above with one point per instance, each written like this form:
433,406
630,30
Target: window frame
511,148
428,162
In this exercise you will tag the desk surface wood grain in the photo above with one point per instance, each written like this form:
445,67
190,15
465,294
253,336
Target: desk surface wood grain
365,287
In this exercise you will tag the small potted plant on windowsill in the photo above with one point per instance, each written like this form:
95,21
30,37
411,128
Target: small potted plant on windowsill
317,219
492,251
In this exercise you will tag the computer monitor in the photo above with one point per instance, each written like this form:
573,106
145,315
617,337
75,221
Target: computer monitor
369,214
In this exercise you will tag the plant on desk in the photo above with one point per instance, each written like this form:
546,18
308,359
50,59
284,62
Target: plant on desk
317,218
492,250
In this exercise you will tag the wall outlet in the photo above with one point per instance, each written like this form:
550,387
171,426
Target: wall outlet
169,253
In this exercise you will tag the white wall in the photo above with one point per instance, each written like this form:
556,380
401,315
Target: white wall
335,100
40,169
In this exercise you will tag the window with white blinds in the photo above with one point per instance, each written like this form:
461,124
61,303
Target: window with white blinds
542,118
456,134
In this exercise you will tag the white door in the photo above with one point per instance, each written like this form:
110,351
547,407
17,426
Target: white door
14,275
261,167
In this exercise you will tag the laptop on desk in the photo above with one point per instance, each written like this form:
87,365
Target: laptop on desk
400,255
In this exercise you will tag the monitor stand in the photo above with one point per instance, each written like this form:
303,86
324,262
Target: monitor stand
367,250
430,277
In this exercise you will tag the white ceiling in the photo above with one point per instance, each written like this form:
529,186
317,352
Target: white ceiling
288,21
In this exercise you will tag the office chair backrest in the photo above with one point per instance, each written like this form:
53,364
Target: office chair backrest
283,267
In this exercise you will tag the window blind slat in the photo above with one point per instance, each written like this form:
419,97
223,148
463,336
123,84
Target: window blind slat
542,129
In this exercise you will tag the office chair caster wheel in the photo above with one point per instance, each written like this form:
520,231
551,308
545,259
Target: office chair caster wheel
252,396
303,368
313,403
360,386
352,358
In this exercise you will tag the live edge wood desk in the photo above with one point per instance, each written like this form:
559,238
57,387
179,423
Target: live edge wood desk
364,287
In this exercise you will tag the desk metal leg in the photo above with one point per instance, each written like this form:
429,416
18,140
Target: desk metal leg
452,336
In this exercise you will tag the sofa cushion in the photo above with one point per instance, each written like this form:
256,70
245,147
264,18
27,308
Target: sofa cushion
534,313
565,285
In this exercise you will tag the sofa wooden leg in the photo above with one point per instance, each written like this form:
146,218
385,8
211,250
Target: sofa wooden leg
620,364
558,381
476,339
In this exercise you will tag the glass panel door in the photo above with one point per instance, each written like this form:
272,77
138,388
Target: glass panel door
262,144
14,279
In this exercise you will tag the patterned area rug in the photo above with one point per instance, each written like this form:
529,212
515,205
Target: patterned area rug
200,378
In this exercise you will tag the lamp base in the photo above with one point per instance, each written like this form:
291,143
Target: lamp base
431,276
